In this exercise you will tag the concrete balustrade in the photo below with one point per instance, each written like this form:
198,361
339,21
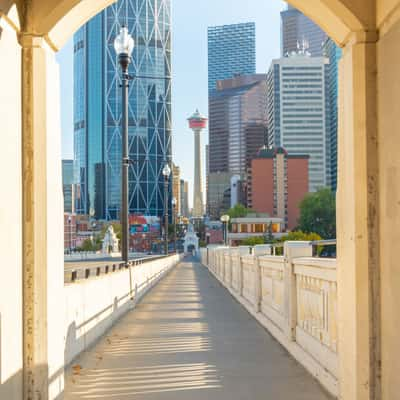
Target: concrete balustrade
294,296
92,306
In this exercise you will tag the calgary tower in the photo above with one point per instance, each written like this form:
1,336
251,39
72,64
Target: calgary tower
197,123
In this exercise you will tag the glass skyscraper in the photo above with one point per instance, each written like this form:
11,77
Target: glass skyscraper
296,28
333,53
97,109
231,51
68,185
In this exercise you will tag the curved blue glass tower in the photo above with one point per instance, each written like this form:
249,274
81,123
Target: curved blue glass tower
97,109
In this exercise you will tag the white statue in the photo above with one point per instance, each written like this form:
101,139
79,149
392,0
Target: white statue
191,241
110,241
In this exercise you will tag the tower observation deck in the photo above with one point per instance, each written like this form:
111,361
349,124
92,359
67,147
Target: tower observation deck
197,123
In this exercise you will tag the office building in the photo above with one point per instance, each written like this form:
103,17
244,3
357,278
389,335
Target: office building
207,173
298,29
231,52
70,231
277,183
184,198
219,193
97,109
238,127
68,185
298,112
333,53
176,187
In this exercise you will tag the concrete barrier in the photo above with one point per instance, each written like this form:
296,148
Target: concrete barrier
294,296
92,306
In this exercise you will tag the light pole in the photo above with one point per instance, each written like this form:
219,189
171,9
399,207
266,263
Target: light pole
225,220
166,172
174,202
124,45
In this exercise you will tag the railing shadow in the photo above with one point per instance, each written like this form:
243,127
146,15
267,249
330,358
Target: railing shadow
80,337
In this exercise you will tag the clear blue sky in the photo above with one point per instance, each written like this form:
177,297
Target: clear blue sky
190,21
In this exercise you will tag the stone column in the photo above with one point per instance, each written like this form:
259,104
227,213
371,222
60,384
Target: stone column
292,250
43,299
358,222
10,209
389,182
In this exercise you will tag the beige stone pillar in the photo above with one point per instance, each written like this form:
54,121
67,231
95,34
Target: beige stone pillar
34,218
389,181
291,251
10,210
358,222
42,222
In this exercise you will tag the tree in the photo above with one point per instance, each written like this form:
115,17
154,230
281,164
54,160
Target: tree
300,236
269,235
87,245
239,211
318,214
253,241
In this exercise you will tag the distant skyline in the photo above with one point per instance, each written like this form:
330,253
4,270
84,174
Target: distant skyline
189,56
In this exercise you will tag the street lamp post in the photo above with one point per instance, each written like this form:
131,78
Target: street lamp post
174,202
225,220
124,45
166,172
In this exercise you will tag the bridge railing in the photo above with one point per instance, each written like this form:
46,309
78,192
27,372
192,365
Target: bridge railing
294,295
92,306
74,275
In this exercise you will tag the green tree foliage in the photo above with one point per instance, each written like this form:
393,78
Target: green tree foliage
202,243
300,236
269,236
318,214
253,241
239,211
87,245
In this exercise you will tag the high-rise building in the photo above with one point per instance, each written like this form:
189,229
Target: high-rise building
298,112
176,187
238,123
238,127
97,109
296,29
184,198
277,183
333,53
68,185
231,52
207,173
219,193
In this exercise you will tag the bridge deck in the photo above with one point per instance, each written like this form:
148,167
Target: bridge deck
189,339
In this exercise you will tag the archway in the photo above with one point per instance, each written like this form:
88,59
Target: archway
367,201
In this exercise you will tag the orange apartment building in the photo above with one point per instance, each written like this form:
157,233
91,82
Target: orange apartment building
277,182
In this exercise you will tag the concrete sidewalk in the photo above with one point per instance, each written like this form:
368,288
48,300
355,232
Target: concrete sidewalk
189,339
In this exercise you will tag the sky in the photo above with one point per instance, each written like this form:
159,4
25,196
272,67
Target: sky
190,20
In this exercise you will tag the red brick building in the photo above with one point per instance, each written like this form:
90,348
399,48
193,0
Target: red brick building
70,224
277,182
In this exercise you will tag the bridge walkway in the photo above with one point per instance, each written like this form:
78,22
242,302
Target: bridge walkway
189,339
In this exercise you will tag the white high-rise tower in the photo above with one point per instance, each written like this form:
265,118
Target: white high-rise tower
197,123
